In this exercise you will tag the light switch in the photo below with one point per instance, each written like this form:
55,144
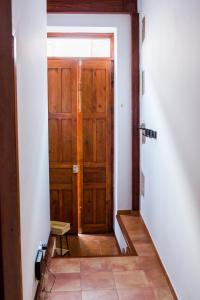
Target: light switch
76,169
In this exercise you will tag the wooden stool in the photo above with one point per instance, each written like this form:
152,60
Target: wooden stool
60,229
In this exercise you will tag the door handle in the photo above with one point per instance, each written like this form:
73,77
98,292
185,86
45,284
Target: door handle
76,169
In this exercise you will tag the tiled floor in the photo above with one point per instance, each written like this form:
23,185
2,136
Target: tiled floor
108,278
112,278
85,245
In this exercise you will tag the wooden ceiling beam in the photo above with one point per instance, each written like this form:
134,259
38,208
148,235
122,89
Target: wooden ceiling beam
88,6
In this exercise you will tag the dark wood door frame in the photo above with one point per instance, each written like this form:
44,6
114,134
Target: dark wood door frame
92,6
10,245
122,7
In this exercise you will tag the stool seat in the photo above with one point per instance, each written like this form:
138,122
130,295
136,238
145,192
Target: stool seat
59,228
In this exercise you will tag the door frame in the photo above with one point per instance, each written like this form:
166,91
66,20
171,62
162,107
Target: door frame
10,238
117,7
112,60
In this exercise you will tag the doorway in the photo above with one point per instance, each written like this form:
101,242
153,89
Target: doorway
81,131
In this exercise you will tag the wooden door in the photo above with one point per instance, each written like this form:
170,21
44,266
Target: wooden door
96,142
62,88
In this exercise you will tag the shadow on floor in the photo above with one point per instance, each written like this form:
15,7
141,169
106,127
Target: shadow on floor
88,245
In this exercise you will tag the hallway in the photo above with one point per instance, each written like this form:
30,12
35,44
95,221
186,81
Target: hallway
122,155
138,277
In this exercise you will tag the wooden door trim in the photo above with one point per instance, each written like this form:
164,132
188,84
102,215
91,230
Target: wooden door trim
125,7
10,239
56,58
86,35
135,70
95,6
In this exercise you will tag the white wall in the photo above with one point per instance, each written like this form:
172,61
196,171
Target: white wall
29,27
171,206
120,25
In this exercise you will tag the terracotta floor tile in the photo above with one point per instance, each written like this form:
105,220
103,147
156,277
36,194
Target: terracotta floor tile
136,294
144,249
65,265
115,264
97,280
128,280
109,251
88,251
135,227
67,282
100,295
95,265
65,296
132,263
147,263
156,278
163,294
108,242
90,243
120,264
139,237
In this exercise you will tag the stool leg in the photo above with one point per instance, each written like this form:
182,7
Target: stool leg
61,245
67,241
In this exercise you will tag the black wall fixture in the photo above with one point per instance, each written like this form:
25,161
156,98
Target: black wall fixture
152,134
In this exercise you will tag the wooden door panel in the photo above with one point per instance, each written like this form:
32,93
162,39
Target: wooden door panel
63,140
67,94
100,90
88,205
94,142
101,206
100,140
87,91
66,142
54,205
54,90
53,140
67,206
88,143
96,136
94,175
95,205
60,176
61,205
